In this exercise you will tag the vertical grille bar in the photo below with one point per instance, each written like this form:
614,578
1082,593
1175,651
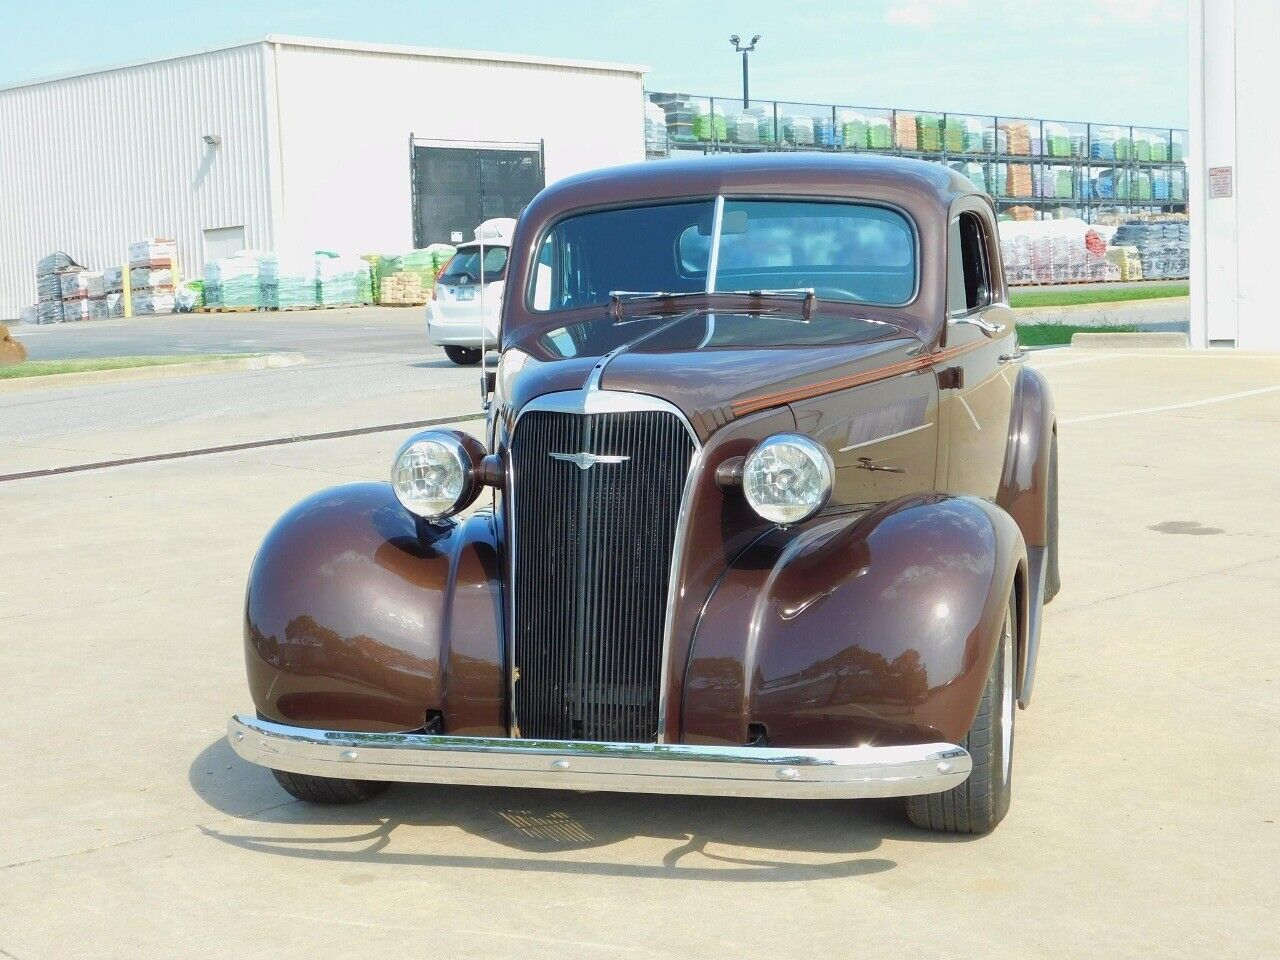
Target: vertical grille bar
593,553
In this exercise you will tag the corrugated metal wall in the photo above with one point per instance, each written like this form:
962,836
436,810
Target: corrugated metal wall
89,163
346,172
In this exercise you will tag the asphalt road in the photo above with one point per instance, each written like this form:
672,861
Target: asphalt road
322,334
1143,821
366,366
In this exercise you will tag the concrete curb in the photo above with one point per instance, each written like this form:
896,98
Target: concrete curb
269,361
1130,341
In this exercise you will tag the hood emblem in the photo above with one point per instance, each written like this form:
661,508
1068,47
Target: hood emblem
585,461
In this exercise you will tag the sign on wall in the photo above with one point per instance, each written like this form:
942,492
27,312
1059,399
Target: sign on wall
1219,182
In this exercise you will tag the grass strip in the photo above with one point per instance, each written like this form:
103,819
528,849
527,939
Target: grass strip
1056,334
1083,295
45,368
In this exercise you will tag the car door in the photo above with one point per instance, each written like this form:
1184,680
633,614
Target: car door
975,378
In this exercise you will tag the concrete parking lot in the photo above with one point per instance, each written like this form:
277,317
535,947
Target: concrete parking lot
1144,815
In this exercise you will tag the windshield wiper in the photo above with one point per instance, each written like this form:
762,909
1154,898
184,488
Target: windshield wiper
617,298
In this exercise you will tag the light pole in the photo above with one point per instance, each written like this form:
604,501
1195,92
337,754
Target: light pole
738,47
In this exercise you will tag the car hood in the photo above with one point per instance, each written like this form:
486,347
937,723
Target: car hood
712,377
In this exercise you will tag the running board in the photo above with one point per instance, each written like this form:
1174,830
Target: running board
1037,566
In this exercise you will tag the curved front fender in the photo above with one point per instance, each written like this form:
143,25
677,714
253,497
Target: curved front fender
358,617
876,629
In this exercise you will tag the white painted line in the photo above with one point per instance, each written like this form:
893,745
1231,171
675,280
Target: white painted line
1173,406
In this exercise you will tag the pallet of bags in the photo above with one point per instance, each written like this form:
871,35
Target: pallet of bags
1057,140
1018,181
953,131
156,252
153,275
928,132
342,281
49,271
80,285
234,283
84,308
288,282
114,304
1018,137
151,302
905,133
743,128
853,129
797,130
708,123
113,280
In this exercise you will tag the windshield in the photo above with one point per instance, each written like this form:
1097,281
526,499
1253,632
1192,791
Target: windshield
847,252
464,266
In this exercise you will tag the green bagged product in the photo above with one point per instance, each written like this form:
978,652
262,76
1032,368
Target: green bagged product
953,135
1062,184
854,133
928,132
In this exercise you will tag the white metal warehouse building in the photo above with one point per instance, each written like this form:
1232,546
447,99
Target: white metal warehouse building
293,144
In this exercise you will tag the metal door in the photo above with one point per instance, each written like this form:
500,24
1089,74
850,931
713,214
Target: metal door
456,186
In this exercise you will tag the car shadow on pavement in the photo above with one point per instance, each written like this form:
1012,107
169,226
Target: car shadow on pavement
709,838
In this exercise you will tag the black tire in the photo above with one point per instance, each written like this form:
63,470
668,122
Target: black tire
463,356
981,802
327,789
1052,582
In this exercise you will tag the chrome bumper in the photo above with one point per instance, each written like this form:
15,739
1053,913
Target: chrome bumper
802,774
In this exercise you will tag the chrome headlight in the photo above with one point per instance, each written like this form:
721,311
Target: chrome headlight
787,478
435,474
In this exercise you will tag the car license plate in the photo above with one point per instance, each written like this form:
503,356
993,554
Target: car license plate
466,293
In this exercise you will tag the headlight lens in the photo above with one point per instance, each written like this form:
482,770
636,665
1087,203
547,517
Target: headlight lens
787,478
434,475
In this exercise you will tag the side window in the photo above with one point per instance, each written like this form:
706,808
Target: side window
968,270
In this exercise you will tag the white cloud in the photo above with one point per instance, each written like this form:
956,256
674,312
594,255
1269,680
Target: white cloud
920,13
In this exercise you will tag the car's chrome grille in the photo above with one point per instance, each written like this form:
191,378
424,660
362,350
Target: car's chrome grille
592,553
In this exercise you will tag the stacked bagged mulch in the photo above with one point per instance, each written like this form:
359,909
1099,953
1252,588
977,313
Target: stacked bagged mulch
744,128
928,132
655,128
1018,180
708,123
238,283
1018,137
797,130
906,135
1054,251
342,281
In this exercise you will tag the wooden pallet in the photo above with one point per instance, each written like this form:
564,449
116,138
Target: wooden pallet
230,309
411,303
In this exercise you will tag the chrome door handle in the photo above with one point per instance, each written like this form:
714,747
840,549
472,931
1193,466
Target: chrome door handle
986,326
1016,357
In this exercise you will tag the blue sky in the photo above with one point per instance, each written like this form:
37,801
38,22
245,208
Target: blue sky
1116,61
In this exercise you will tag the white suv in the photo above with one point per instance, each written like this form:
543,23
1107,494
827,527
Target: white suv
455,315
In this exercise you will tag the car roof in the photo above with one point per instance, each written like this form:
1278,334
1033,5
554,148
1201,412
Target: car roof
834,174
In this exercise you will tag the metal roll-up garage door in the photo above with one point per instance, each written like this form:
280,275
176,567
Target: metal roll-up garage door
457,185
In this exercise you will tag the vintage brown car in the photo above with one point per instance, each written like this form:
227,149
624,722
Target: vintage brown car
773,514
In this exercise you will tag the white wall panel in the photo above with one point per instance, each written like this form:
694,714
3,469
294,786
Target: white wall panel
346,116
89,163
1234,76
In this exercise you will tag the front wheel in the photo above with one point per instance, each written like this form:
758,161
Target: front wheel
463,356
981,802
304,786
